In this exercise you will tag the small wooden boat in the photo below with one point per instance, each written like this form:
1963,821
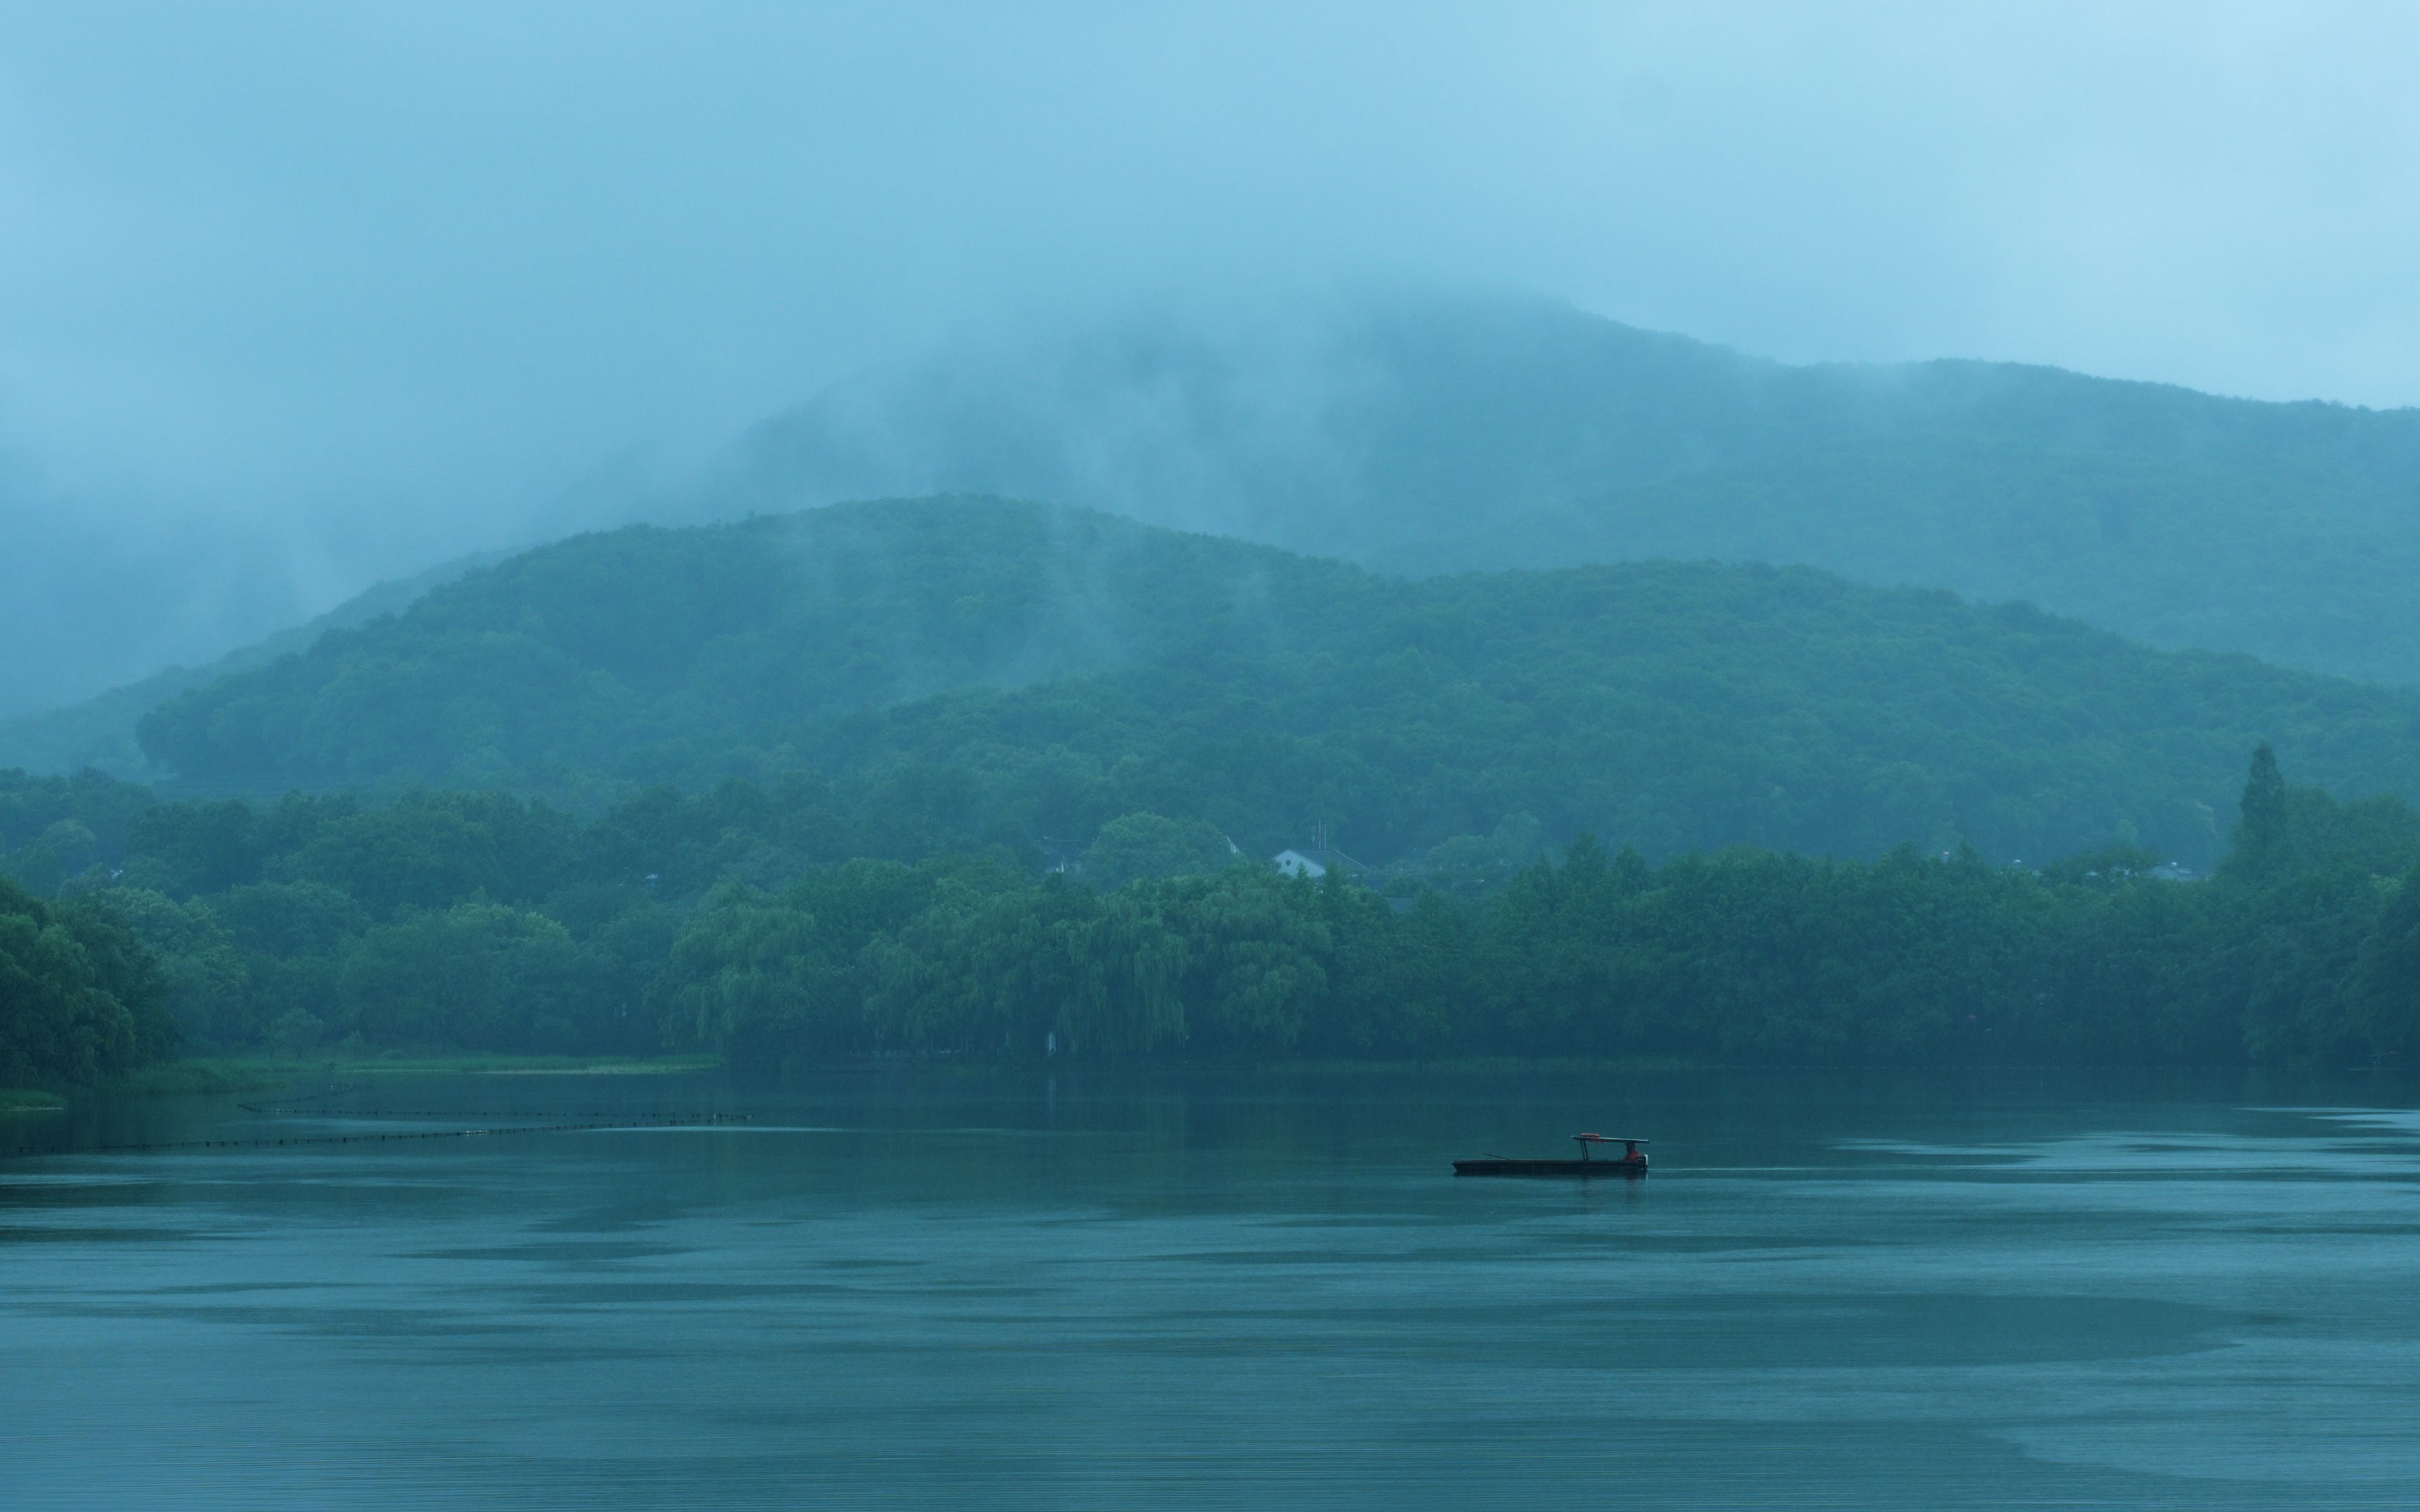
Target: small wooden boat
1631,1162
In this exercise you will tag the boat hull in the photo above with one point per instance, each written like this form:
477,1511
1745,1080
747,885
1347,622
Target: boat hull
1550,1168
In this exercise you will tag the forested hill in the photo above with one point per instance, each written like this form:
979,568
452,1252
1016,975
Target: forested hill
2178,553
972,668
653,653
1440,433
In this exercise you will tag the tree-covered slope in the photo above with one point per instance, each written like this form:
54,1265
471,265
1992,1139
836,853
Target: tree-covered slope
1433,435
968,664
2179,553
657,652
1670,707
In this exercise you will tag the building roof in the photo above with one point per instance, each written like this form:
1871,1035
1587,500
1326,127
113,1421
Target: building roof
1316,861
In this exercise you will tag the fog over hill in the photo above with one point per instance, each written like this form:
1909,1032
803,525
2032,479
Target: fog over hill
1811,536
298,301
1417,434
1436,434
91,599
98,733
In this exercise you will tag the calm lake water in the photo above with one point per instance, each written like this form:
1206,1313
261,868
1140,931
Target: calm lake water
1103,1291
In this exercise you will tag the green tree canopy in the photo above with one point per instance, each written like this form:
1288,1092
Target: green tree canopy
79,996
1145,847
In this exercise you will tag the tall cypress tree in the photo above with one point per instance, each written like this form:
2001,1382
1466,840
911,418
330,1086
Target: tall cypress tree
2261,836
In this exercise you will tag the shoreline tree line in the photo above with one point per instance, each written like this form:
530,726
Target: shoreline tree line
752,923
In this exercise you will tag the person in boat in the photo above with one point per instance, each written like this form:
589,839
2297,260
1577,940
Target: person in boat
1631,1153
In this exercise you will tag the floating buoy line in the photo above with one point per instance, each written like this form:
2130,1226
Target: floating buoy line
458,1113
265,1142
273,1104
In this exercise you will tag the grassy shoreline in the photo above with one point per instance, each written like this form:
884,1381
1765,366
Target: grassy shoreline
228,1074
258,1073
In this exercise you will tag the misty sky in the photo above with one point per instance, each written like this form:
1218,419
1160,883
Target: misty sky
380,280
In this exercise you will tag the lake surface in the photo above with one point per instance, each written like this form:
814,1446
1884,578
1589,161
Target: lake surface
926,1290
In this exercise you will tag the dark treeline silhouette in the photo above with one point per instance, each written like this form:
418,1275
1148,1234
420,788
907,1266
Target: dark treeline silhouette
754,923
81,997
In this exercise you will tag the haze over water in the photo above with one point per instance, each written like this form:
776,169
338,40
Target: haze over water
1012,1289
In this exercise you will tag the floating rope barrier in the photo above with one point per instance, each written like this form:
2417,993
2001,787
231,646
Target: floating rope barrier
276,1102
162,1146
459,1113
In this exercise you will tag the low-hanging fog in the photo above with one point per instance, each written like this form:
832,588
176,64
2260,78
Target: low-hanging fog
296,297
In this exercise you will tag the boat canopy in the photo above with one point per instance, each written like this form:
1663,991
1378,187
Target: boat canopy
1606,1139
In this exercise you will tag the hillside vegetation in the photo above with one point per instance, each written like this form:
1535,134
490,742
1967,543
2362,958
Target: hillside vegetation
675,653
1439,434
969,667
2173,553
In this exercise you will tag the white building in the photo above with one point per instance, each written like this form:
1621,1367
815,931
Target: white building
1316,862
1294,863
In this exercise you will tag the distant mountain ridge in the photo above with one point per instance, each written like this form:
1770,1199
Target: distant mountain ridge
1438,434
1442,435
1042,670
